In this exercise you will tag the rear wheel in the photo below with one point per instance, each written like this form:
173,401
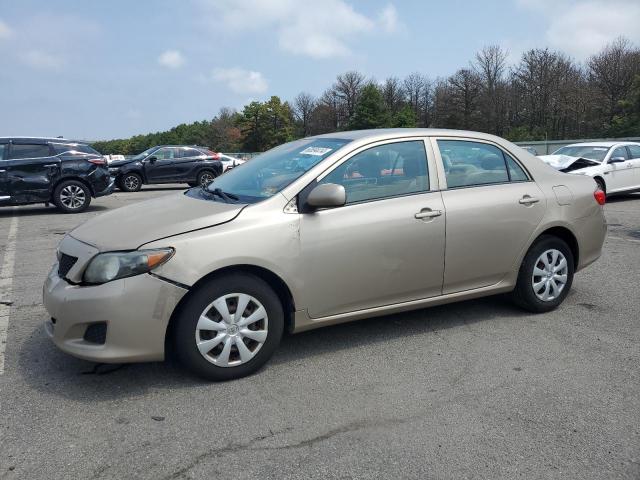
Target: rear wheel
130,182
229,327
205,177
72,196
545,276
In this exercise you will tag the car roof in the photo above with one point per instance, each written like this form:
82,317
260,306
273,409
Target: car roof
398,132
600,144
43,140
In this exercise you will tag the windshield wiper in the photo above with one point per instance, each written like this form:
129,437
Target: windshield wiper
227,197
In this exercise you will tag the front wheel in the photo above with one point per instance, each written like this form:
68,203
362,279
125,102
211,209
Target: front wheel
229,327
545,276
72,196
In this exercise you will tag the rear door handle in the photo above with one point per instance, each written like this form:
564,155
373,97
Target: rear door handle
2,171
428,213
51,165
527,200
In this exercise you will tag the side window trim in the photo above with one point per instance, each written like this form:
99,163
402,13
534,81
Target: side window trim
440,164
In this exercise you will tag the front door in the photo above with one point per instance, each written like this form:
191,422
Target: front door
386,245
620,175
159,167
634,160
492,207
32,170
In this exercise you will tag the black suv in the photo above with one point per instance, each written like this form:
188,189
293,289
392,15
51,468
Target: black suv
51,170
167,164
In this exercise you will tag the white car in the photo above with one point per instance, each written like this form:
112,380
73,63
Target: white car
615,166
228,162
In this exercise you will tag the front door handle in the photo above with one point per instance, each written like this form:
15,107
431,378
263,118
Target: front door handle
2,171
51,165
528,200
428,213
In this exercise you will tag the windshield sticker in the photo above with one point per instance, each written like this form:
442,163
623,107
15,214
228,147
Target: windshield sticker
317,151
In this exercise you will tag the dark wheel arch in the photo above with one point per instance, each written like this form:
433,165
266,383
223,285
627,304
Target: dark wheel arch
277,283
601,183
71,177
567,236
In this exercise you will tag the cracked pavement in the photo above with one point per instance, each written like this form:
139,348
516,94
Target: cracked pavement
471,390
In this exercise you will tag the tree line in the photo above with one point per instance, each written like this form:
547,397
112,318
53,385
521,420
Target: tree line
546,95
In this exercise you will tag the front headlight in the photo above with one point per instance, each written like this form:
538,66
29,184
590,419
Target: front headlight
106,267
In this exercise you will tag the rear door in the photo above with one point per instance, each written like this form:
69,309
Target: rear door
5,196
620,174
492,206
159,166
32,169
186,166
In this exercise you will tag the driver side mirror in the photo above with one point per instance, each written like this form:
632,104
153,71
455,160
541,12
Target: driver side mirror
152,159
327,195
617,160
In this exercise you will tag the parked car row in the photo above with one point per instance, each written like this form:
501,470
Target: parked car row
69,174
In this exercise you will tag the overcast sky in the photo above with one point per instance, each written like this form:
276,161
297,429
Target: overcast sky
106,69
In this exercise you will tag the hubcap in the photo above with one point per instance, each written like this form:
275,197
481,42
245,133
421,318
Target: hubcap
131,182
72,197
549,275
206,179
231,330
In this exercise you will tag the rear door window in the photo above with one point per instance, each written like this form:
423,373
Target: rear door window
467,163
634,150
24,151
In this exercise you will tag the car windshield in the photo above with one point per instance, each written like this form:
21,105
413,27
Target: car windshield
268,173
144,154
591,152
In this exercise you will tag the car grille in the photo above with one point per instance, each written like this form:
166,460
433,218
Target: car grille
66,263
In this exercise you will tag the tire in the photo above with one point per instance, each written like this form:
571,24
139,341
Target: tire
601,184
205,177
130,182
209,359
530,290
72,196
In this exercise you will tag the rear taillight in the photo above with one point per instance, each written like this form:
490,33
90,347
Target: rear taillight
600,197
97,161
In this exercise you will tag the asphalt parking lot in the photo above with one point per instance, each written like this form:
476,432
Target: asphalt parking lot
472,390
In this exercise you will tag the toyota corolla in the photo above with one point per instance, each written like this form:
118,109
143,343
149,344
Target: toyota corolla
319,231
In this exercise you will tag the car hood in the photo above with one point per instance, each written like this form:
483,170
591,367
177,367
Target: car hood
566,162
128,228
119,163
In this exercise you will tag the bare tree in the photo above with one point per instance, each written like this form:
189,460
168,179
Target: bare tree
465,89
303,106
490,66
393,94
348,87
612,71
414,86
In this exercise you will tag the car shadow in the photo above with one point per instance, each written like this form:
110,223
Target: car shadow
33,210
45,368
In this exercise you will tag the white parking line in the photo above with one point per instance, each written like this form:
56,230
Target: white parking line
6,286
